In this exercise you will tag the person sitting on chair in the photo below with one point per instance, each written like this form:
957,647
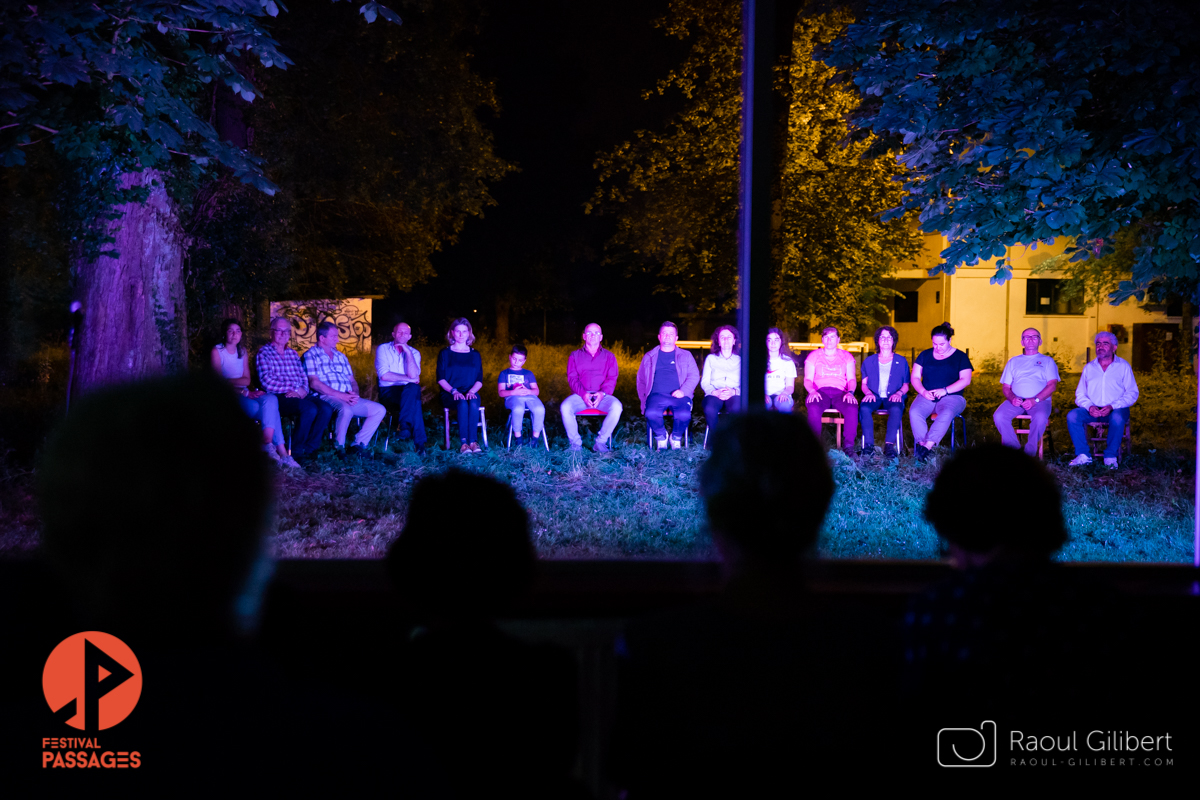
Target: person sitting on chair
1106,392
939,376
331,376
885,379
460,374
1028,381
230,362
667,378
781,371
399,369
518,386
281,373
592,375
829,378
722,376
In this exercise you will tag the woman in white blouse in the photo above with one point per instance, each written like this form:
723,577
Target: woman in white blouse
722,375
230,362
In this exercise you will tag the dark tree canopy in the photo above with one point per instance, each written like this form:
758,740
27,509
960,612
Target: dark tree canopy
675,192
1024,120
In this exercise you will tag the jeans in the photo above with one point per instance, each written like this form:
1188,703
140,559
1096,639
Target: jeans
467,413
713,406
406,400
1077,420
681,408
517,406
832,398
314,419
1039,418
373,412
611,407
265,411
895,414
780,402
946,409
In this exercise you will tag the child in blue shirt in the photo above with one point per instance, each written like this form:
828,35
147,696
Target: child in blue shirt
519,388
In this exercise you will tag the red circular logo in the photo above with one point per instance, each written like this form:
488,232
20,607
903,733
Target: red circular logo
92,681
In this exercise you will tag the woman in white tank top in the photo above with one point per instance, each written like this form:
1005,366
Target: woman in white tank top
230,362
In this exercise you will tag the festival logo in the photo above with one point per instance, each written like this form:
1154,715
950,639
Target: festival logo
92,681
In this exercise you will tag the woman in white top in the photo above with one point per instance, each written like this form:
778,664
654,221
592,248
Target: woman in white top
781,371
230,362
722,376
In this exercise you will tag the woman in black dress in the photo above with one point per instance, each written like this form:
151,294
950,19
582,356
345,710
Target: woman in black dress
460,375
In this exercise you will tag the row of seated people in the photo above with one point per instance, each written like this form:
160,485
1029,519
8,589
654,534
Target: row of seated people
732,697
322,383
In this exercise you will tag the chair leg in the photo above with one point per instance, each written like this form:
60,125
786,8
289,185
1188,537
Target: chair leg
446,417
483,425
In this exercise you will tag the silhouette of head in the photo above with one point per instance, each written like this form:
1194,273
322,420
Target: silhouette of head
471,568
961,506
150,530
767,485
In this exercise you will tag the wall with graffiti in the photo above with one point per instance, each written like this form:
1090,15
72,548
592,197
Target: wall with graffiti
351,315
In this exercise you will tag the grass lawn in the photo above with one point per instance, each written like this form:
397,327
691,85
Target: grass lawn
634,503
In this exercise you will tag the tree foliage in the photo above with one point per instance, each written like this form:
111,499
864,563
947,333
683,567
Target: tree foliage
675,192
1025,120
377,137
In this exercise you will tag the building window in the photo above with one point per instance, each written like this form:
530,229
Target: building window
1043,296
906,307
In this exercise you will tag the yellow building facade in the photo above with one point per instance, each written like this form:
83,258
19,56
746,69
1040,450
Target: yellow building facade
988,319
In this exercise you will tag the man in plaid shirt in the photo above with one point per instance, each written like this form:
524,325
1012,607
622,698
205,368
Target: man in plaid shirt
330,376
280,372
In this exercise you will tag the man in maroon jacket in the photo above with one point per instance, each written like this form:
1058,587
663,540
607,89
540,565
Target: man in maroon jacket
592,376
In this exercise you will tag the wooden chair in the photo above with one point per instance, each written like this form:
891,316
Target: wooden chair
838,420
667,412
862,439
1046,437
482,425
1100,440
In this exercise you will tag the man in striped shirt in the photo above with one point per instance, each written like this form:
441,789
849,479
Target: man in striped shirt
330,376
280,372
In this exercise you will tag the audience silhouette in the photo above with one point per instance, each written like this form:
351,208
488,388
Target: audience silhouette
501,715
164,548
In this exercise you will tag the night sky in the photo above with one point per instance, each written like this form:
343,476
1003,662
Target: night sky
569,76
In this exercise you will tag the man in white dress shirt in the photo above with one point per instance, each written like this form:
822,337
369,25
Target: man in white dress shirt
398,367
1106,392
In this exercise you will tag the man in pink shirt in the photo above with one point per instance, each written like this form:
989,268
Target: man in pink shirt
592,376
829,378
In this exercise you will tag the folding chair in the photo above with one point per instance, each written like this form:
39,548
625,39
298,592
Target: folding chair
839,421
961,423
899,443
650,434
482,425
544,437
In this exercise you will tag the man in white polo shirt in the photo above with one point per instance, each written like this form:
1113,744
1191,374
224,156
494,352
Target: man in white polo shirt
1028,381
1106,392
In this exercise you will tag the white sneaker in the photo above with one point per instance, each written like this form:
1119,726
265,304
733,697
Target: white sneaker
1081,460
1111,463
676,443
661,444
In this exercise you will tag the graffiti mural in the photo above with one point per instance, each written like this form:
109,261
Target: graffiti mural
351,315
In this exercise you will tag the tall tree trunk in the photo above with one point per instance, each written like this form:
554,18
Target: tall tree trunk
503,307
134,310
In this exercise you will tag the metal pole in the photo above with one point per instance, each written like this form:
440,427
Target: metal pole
754,224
